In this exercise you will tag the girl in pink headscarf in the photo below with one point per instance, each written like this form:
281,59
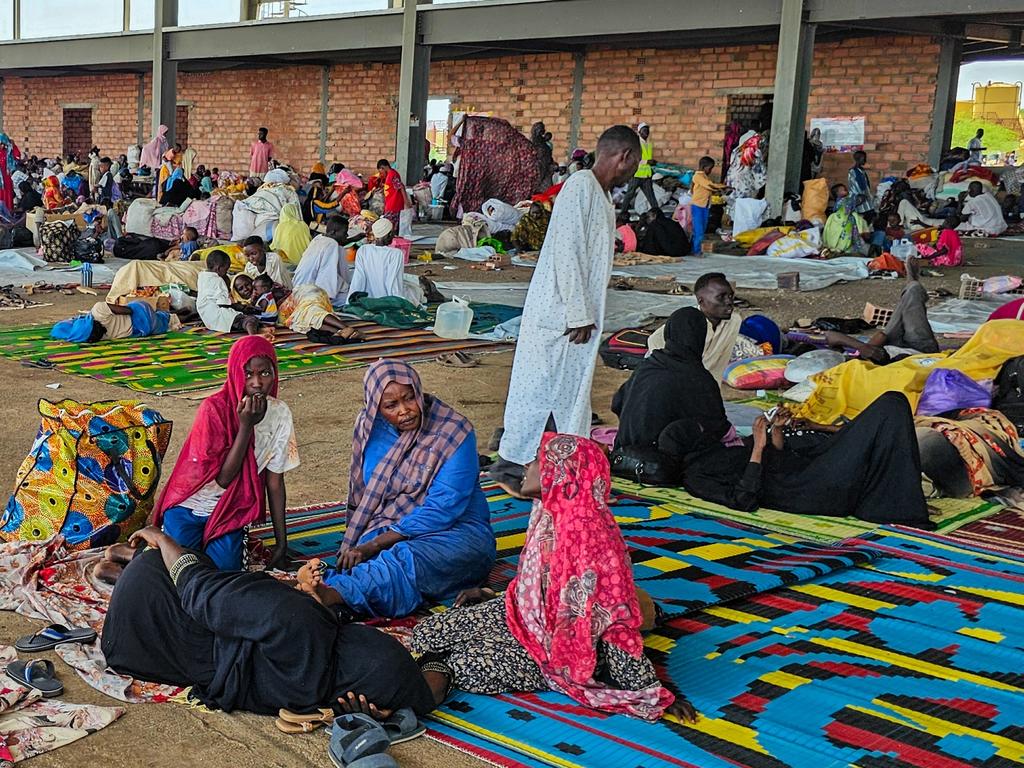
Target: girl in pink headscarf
570,620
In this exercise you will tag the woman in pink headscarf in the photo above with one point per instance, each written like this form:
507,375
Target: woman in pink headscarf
154,150
570,620
347,186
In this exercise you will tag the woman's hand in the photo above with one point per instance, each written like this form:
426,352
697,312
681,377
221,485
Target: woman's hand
251,410
352,556
474,595
760,434
683,710
352,704
279,559
150,536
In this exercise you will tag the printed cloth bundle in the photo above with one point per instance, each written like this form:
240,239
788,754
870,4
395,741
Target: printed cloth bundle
91,474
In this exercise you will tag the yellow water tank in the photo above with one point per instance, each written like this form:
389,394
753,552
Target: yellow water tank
996,101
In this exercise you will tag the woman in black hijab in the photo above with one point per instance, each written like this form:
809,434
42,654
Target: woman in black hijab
246,641
869,469
669,387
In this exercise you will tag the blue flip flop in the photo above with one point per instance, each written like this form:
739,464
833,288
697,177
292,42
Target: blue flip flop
357,743
49,638
38,674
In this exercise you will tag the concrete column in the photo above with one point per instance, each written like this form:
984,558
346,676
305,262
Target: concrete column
140,120
576,105
950,54
413,88
165,71
789,113
325,106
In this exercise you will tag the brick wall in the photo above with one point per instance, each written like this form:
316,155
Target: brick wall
33,110
227,107
684,94
362,115
521,89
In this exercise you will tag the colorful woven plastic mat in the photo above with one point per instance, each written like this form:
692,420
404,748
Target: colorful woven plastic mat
196,359
913,660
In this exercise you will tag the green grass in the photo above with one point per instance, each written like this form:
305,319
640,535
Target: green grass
997,138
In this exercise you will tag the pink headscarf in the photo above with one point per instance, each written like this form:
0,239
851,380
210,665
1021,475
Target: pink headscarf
154,150
574,586
346,178
208,444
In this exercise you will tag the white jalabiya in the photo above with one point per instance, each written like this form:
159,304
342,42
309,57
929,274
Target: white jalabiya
323,264
550,376
380,271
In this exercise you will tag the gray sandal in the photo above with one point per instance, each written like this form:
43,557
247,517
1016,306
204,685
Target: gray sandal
403,726
358,743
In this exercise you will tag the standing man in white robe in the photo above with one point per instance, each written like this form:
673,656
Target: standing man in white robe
564,312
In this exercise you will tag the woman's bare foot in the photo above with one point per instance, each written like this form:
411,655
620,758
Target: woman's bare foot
119,553
107,571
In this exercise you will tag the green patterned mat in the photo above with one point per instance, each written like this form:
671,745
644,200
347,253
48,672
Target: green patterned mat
192,360
952,514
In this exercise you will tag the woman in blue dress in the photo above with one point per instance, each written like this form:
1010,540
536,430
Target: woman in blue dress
418,524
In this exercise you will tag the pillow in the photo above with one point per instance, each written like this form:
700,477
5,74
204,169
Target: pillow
758,372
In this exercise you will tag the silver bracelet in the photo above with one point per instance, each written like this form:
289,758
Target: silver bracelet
181,564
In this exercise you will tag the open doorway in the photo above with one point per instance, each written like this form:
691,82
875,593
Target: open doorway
77,131
752,110
438,127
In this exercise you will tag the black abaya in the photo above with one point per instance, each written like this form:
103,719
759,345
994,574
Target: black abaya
670,386
247,641
870,469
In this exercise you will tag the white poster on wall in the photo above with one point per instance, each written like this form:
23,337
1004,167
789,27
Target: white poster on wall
840,134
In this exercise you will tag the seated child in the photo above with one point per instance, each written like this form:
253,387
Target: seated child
187,245
266,297
948,250
214,304
261,261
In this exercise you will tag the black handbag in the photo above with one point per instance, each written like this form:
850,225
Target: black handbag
647,466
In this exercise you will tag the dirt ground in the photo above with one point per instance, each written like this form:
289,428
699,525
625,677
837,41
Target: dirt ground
324,407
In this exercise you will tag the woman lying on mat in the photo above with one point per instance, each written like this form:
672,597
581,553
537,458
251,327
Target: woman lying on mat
418,523
115,321
246,641
970,452
673,408
571,619
870,468
233,461
308,310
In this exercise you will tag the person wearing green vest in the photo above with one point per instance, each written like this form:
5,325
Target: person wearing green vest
643,179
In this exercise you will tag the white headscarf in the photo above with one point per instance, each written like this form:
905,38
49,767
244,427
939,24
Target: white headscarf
276,176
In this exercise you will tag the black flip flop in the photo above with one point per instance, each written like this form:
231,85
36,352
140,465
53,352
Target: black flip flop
38,674
49,638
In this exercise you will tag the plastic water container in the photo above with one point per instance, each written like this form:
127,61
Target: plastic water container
903,249
453,319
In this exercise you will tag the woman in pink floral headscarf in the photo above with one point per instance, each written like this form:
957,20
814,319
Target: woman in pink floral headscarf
571,618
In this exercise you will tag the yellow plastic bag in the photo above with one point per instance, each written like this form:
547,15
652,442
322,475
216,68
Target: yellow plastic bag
814,200
847,389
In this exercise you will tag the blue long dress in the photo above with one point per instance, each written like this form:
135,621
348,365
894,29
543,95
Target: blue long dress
449,544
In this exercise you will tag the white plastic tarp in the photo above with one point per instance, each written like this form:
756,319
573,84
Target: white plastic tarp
756,271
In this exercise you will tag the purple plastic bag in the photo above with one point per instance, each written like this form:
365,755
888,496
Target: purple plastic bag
950,390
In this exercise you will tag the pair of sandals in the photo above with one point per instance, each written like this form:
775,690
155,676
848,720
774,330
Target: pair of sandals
359,741
40,674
